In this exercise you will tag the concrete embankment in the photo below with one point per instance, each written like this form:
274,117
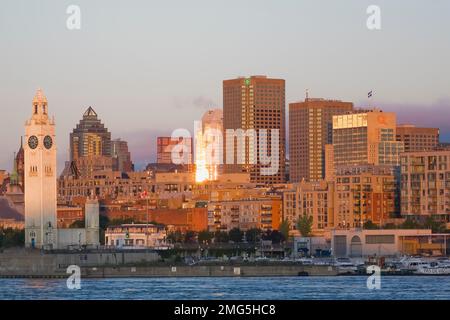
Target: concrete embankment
32,263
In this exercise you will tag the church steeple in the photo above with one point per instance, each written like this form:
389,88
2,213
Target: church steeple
14,177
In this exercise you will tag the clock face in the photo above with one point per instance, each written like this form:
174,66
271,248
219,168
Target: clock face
33,142
48,142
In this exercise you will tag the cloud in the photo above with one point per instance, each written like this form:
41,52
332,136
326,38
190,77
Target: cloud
199,102
435,115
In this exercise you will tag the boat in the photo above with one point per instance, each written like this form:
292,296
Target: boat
413,264
345,266
434,268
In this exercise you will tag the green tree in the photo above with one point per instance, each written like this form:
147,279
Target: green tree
235,235
12,238
253,235
118,222
304,225
274,236
220,236
205,236
190,237
410,224
284,229
77,224
175,237
434,225
369,225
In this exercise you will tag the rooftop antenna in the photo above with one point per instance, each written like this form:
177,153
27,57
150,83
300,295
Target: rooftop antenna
307,95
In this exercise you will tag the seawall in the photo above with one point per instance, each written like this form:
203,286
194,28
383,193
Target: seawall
33,264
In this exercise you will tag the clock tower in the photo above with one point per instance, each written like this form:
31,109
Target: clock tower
40,177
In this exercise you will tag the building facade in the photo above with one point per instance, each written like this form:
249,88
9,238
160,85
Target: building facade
366,137
166,146
425,184
90,145
209,146
250,106
366,193
136,235
310,129
312,199
261,213
418,139
121,156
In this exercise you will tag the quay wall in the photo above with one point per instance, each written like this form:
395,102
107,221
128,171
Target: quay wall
33,263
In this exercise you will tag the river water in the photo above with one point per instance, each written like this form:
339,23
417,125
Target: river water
267,288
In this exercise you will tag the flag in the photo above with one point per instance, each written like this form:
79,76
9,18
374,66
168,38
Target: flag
143,195
369,95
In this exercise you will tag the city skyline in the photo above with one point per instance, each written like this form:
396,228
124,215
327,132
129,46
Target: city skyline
77,69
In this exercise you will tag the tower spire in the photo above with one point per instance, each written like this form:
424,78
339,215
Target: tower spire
39,104
14,178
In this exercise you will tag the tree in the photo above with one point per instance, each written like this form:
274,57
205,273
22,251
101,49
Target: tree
12,238
235,235
103,224
175,237
409,224
253,235
284,229
274,236
304,225
369,225
220,236
118,222
190,236
434,225
205,236
78,224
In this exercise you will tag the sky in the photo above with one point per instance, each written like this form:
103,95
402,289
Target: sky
149,67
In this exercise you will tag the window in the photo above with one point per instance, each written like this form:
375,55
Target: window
380,239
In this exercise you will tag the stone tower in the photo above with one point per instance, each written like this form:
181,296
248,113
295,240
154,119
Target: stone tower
40,177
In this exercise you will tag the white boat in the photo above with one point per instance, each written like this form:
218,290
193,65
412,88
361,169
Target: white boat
345,266
305,261
443,261
413,264
433,268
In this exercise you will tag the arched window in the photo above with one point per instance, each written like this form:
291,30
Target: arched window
35,109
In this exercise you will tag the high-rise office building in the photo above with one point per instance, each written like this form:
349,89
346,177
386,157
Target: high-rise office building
418,139
366,137
209,146
90,145
121,156
90,137
310,129
255,105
